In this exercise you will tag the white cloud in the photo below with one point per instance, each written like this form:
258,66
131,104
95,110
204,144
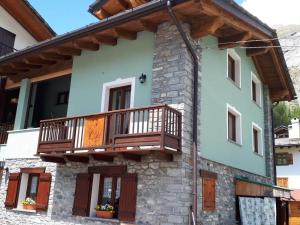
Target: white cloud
274,12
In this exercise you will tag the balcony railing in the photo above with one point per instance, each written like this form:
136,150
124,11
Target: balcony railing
136,131
4,127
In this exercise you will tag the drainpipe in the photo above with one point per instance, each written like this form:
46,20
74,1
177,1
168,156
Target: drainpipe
195,107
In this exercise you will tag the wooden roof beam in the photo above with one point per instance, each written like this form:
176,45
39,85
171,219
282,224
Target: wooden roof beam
203,28
38,61
23,65
122,4
68,51
54,56
127,34
234,40
86,45
102,14
258,48
105,40
149,26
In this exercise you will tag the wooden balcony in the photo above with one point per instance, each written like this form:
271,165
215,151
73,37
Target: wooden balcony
3,132
130,132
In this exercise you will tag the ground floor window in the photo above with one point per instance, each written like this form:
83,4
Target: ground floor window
106,185
31,186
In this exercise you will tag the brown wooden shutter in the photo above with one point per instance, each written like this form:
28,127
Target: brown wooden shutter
209,193
43,191
83,190
282,182
12,190
290,159
128,197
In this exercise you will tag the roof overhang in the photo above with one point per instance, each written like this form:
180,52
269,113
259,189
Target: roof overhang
29,18
222,19
247,187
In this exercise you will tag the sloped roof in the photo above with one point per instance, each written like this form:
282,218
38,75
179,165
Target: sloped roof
29,18
235,22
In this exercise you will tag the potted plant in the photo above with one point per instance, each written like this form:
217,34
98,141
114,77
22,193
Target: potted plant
105,211
29,203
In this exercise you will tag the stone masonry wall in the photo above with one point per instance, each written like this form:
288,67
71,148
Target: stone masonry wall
225,212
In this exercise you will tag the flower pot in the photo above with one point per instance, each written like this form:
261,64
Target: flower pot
104,214
29,207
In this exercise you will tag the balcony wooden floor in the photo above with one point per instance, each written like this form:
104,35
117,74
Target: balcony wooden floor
131,133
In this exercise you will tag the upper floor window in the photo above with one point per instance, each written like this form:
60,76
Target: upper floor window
256,89
234,67
257,139
283,182
284,159
234,131
7,41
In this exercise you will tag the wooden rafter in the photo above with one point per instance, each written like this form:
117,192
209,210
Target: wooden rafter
209,27
23,65
38,61
104,39
124,33
86,45
148,26
54,56
68,51
234,40
258,48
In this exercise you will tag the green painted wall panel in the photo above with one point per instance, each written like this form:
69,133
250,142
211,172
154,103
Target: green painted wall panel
216,92
92,69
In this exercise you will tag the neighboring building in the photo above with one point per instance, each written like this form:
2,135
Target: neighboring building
288,165
108,114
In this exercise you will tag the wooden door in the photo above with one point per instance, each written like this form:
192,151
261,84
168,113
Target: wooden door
294,213
119,98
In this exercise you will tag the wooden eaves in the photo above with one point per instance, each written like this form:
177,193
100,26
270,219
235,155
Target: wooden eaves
29,18
222,19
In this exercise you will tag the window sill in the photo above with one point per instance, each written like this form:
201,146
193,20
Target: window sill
257,104
260,155
238,86
235,143
24,210
116,221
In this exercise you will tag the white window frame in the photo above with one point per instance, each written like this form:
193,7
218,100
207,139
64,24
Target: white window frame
239,136
260,139
238,67
256,80
115,84
22,189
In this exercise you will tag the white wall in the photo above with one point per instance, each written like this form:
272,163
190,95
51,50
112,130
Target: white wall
21,144
23,38
292,172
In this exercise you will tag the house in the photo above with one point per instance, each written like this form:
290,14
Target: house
161,109
20,26
287,165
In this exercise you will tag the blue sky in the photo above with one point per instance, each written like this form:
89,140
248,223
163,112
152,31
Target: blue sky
66,15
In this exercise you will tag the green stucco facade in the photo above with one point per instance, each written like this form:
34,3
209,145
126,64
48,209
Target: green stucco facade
125,60
216,92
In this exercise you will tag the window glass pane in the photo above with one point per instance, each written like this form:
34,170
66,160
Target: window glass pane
254,91
231,126
255,140
107,190
32,186
118,189
231,68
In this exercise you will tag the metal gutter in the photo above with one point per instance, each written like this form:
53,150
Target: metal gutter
108,23
195,108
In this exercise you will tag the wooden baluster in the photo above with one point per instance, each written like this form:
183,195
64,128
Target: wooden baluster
74,136
138,123
157,124
143,120
133,122
148,118
162,139
152,119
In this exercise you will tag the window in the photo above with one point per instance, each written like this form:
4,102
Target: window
284,159
234,67
62,98
7,41
30,182
234,125
282,181
257,139
256,89
106,185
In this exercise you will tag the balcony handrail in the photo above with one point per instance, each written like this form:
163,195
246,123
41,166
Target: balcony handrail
158,125
112,112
